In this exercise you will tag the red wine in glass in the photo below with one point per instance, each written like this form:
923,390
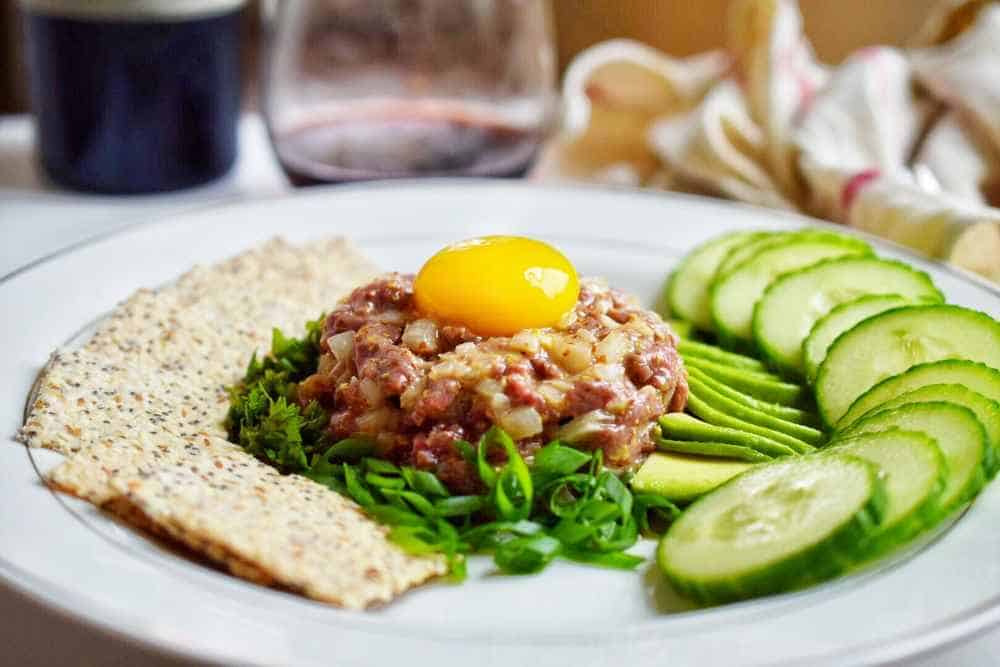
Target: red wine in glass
401,142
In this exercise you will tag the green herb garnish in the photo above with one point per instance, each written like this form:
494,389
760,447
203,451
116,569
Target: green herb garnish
565,504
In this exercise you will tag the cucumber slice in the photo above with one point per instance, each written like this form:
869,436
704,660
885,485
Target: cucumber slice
792,304
703,410
839,320
683,478
686,294
715,449
763,387
745,251
958,433
782,412
986,411
750,415
682,328
719,356
679,426
914,473
733,296
739,254
895,340
980,378
778,526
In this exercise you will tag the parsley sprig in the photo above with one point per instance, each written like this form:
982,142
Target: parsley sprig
565,504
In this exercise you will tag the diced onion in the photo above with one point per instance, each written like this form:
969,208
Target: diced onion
327,364
370,390
522,422
383,419
450,368
525,341
613,348
609,372
390,315
499,403
581,428
412,392
421,336
489,387
552,394
341,345
572,353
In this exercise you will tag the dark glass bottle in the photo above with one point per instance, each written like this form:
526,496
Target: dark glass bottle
134,101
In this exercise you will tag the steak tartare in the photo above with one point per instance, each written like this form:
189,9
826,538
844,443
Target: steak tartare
599,379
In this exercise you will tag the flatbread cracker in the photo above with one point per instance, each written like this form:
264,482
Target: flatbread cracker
213,318
90,473
139,411
86,400
298,534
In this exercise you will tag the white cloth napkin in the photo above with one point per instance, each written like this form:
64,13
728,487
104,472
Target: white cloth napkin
903,143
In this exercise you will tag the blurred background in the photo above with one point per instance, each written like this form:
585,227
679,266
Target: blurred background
679,27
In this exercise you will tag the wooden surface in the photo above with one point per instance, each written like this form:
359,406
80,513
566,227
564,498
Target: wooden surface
683,27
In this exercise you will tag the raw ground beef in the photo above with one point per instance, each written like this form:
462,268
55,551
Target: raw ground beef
597,380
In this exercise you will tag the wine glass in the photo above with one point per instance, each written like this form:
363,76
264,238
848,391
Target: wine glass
365,89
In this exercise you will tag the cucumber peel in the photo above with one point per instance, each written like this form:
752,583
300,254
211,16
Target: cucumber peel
776,527
791,304
686,293
732,297
958,433
837,321
898,339
915,475
986,411
976,376
751,247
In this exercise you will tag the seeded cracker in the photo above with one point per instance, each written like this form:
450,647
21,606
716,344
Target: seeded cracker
138,410
310,539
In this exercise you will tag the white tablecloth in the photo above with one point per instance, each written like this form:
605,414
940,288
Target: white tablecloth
37,220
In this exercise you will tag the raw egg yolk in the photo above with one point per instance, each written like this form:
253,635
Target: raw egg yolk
497,285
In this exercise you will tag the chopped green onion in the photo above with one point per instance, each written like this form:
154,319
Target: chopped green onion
424,482
355,488
459,505
385,482
565,504
380,466
556,459
526,555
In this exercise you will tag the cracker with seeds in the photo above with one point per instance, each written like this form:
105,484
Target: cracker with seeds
139,408
298,534
213,318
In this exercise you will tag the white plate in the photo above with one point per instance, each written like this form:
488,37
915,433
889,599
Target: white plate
71,557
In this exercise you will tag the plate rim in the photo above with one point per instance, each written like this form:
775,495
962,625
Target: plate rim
918,641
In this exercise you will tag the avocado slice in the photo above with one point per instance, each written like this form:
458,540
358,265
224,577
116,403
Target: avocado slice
758,385
680,426
722,450
682,477
736,411
690,348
